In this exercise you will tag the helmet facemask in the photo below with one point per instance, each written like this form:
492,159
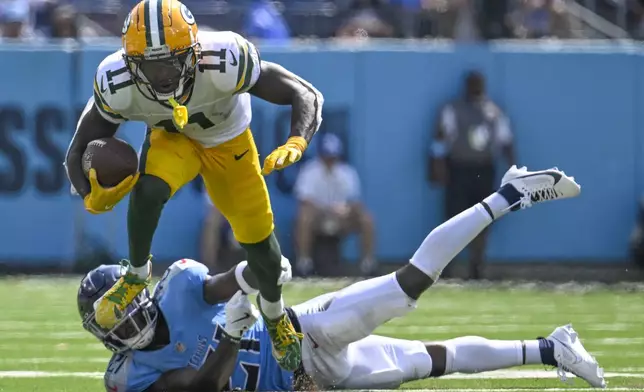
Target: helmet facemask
134,331
164,75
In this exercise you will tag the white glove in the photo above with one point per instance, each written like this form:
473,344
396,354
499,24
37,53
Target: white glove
240,315
287,274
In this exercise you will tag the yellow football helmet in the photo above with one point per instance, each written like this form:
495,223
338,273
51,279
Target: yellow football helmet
161,49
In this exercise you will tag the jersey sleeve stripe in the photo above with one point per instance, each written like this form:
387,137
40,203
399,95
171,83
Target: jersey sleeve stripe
104,107
250,64
99,98
243,61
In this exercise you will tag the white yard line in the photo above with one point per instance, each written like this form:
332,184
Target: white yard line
499,374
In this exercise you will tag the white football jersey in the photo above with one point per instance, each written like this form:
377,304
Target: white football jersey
218,106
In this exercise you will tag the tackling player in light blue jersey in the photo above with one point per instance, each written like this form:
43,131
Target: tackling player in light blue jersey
198,332
180,325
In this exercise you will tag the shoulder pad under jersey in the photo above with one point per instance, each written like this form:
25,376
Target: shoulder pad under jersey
184,277
231,61
113,88
124,375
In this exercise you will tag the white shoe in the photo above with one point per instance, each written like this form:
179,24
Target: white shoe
540,186
572,357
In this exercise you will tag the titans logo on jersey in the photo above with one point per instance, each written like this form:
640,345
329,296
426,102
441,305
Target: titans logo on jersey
195,330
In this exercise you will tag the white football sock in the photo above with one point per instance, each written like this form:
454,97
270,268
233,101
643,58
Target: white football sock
272,310
142,272
448,239
473,354
532,352
497,204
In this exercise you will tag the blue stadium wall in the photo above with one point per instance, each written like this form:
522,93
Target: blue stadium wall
578,107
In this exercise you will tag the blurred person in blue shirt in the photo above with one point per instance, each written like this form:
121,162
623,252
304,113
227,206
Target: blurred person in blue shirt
535,19
408,13
14,19
265,22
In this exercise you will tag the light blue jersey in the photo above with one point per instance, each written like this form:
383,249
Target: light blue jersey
195,329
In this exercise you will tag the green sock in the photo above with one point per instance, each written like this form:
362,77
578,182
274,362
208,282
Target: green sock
146,204
264,260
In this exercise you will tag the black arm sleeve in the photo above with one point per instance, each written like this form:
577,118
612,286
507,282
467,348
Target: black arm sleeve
91,126
279,86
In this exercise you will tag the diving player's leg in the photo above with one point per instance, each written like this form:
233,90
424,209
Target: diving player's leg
385,363
368,304
232,174
474,354
167,162
519,189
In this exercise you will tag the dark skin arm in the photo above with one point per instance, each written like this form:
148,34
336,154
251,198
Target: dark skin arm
220,364
212,376
91,126
222,287
282,87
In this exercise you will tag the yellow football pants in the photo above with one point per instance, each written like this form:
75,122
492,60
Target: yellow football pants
231,172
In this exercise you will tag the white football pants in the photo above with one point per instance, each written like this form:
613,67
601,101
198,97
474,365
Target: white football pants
338,348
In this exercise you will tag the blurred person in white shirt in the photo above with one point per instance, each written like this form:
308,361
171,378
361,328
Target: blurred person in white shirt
328,191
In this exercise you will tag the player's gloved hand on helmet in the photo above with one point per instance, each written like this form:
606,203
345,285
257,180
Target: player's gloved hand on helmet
286,273
101,199
241,314
285,155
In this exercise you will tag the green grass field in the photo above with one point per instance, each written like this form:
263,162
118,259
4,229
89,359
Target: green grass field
44,348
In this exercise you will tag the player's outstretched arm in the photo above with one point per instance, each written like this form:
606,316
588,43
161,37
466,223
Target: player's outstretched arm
221,287
91,126
282,87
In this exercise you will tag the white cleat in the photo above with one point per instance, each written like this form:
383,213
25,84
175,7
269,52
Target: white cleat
540,186
572,357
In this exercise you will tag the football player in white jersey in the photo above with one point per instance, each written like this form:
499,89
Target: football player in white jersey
192,89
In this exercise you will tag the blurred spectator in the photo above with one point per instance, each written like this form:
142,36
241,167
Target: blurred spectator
219,248
407,16
541,19
456,19
365,20
493,19
264,21
328,192
637,11
64,22
470,132
15,18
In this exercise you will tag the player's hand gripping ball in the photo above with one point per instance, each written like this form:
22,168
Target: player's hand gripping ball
111,165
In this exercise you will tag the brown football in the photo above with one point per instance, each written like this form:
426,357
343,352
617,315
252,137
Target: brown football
112,158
